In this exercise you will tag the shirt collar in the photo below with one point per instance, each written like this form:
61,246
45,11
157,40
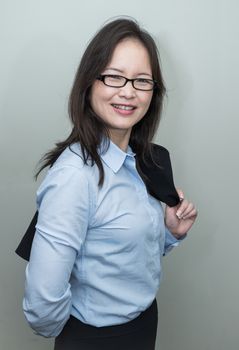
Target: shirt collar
114,157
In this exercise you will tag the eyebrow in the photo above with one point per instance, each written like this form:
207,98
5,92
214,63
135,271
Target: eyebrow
120,71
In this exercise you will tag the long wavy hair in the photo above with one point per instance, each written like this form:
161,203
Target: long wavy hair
88,128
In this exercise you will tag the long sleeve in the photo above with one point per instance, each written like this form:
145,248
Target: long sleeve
96,254
170,241
63,204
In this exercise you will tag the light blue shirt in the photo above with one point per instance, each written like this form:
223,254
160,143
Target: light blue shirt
97,250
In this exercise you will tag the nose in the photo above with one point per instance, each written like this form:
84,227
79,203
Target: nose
127,91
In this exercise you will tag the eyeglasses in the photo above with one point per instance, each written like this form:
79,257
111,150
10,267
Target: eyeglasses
117,81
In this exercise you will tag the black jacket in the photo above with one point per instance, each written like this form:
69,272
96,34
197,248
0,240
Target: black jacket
159,183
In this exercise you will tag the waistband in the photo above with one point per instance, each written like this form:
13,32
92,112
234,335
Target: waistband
74,328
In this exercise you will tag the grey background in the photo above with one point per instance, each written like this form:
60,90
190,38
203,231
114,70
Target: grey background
41,45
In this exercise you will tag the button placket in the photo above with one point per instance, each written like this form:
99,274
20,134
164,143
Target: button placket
144,196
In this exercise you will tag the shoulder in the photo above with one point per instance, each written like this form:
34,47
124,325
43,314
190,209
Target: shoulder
68,171
70,157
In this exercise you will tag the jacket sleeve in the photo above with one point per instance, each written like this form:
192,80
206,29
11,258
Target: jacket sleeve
158,174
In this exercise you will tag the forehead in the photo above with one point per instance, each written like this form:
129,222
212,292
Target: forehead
130,54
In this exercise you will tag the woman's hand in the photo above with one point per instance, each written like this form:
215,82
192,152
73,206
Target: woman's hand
179,219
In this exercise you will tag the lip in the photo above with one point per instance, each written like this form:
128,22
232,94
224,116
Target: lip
123,104
124,112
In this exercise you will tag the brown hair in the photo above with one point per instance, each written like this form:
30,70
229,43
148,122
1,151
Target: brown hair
88,129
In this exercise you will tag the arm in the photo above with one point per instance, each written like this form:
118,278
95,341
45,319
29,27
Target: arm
178,221
63,201
171,241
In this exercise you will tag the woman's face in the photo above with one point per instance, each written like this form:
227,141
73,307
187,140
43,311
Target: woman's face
121,108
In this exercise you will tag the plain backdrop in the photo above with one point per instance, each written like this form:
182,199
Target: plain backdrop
41,43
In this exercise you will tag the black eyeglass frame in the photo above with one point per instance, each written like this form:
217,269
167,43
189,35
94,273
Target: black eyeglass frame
103,76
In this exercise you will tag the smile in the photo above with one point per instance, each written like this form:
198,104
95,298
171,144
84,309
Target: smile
123,107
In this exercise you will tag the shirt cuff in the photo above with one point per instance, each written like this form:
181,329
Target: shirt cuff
171,241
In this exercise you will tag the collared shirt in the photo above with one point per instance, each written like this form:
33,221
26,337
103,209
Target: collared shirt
97,250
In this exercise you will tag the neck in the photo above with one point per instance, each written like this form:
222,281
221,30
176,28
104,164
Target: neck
120,138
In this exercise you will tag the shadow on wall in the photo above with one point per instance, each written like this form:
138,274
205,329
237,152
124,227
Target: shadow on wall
34,109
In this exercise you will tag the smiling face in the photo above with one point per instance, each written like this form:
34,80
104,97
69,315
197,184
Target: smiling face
122,108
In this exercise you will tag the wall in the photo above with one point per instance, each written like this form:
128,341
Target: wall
41,44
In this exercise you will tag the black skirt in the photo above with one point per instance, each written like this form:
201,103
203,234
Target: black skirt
138,334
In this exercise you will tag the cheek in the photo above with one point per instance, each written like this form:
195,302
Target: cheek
99,97
94,92
95,99
146,101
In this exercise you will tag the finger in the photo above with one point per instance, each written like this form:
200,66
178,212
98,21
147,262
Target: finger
188,209
183,206
180,194
192,215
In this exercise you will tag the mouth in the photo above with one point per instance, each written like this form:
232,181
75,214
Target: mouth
124,107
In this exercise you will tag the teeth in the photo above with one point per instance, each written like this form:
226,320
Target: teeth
126,108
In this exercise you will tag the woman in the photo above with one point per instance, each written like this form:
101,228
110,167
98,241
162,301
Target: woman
94,269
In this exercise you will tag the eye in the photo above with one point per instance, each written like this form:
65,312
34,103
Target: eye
143,81
113,78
